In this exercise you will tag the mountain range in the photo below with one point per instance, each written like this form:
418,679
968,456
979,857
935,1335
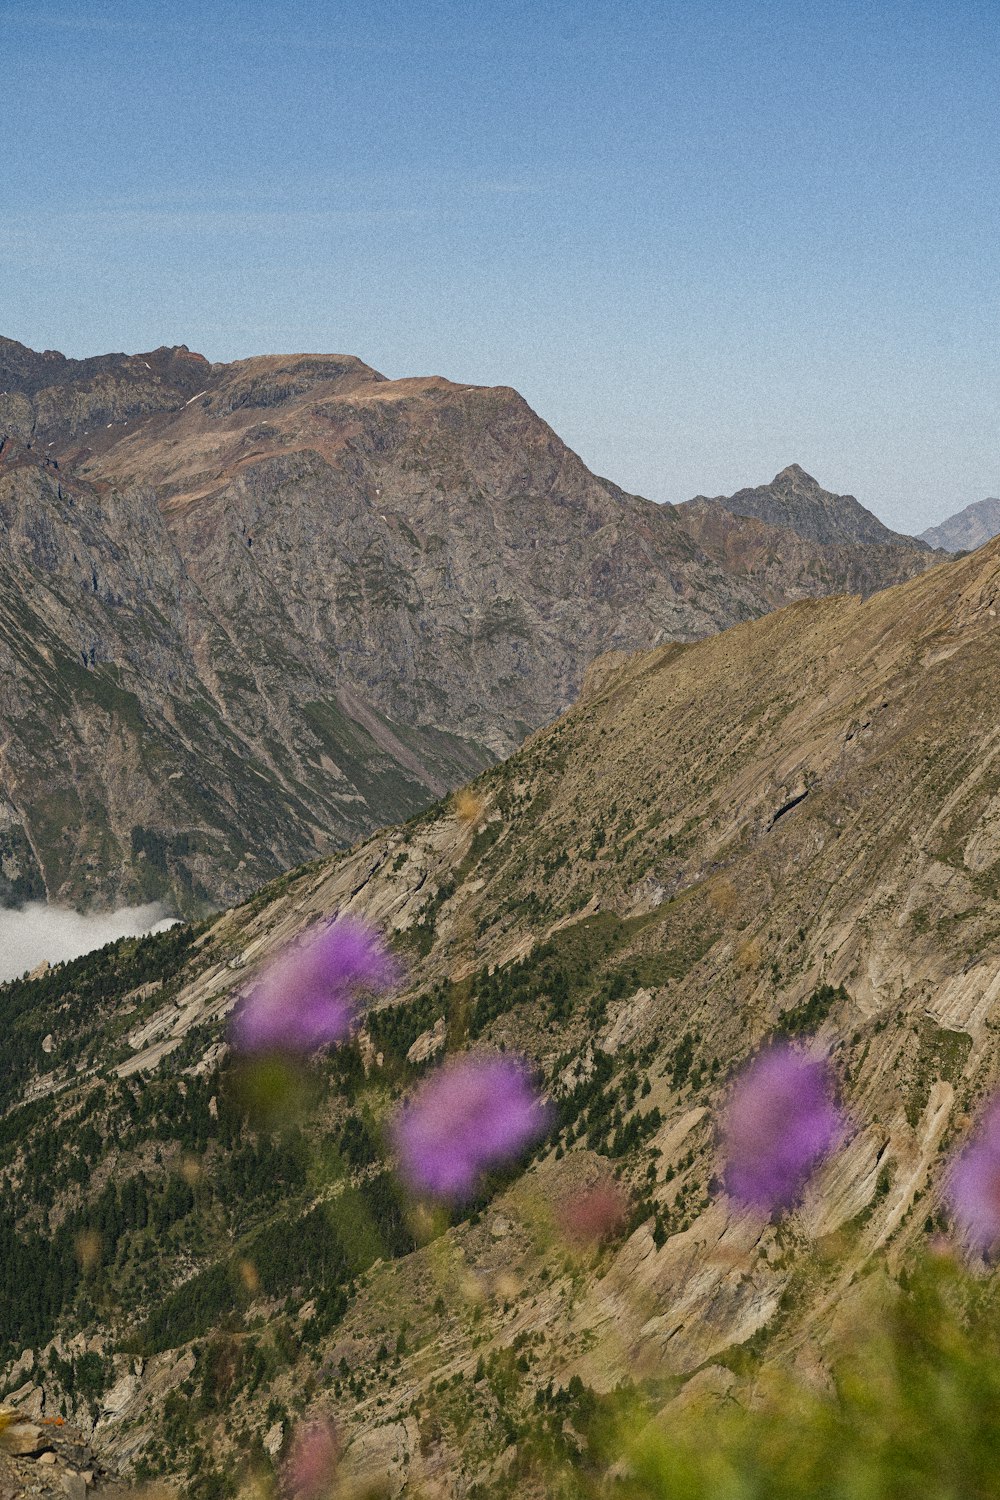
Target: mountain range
251,612
789,828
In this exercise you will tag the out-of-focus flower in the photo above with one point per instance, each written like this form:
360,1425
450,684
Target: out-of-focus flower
974,1184
781,1121
472,1115
191,1170
473,1290
311,1466
88,1249
305,997
590,1216
467,805
249,1275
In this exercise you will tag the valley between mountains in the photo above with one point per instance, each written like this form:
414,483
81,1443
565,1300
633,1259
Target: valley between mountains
252,612
789,827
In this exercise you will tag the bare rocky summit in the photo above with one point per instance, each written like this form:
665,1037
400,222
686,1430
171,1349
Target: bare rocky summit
249,612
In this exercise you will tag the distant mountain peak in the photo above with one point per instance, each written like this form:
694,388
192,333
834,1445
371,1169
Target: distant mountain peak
797,502
321,598
967,529
796,474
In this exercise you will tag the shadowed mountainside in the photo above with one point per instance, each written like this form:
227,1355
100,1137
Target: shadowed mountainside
793,499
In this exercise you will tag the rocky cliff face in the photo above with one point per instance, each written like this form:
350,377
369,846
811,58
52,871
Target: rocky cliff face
249,612
790,827
47,400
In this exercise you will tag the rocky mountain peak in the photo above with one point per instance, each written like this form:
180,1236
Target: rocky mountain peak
795,475
797,502
323,596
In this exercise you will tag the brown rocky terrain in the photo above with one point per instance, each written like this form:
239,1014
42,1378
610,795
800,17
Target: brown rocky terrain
791,826
249,612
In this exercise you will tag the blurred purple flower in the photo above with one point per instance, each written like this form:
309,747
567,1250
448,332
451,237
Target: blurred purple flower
974,1184
311,1465
471,1115
780,1123
305,997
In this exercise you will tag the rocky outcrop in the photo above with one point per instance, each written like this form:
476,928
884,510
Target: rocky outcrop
50,1457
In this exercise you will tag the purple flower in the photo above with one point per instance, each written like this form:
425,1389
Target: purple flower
974,1184
471,1115
780,1123
305,997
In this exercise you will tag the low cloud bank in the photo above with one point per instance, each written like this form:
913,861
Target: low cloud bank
38,932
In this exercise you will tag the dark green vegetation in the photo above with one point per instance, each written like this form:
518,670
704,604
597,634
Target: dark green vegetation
20,878
806,1018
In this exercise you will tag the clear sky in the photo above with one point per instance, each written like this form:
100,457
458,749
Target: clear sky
703,239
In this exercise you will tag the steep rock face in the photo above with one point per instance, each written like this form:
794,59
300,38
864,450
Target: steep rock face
967,529
794,500
153,748
256,610
790,826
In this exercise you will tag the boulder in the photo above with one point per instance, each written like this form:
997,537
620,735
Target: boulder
24,1439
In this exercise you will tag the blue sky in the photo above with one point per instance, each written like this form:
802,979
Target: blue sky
704,240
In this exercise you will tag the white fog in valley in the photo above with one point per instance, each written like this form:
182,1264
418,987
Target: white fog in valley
38,933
